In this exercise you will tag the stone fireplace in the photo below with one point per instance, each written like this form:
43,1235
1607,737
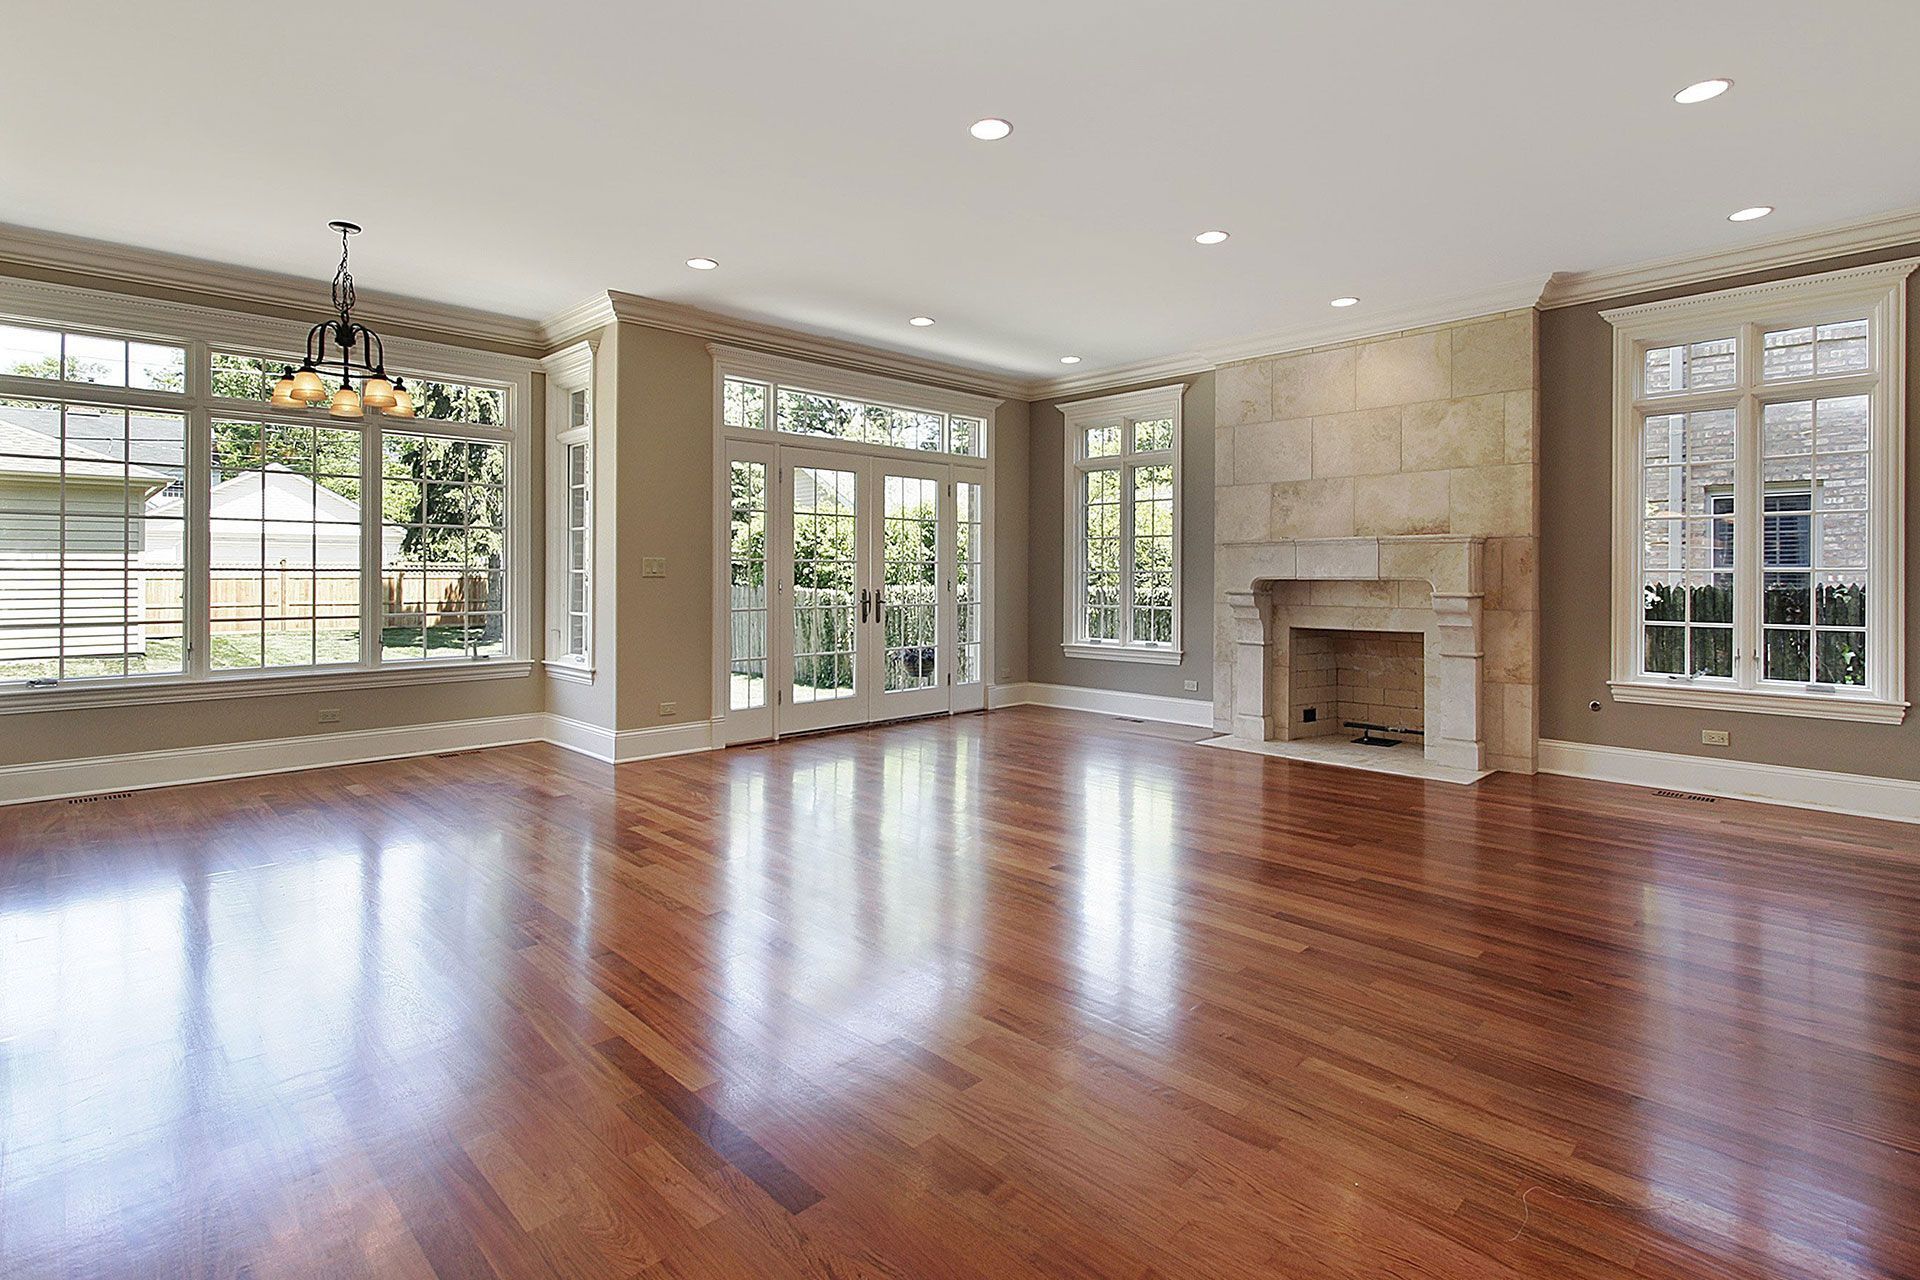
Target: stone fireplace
1284,595
1381,496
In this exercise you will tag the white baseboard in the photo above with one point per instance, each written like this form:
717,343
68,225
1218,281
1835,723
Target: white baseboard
1141,706
1869,797
140,770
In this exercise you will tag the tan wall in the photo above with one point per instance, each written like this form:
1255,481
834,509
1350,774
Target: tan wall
1012,540
1426,432
1046,568
1576,426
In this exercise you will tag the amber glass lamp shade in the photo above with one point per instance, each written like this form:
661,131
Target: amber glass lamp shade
346,403
402,406
307,387
283,396
377,393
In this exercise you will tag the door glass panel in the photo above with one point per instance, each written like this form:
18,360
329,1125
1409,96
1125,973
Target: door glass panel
969,521
747,607
824,568
910,603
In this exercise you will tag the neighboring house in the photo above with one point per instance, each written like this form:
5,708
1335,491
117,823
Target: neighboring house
71,539
275,519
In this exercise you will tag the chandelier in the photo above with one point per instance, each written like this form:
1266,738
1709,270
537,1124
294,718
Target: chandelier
356,352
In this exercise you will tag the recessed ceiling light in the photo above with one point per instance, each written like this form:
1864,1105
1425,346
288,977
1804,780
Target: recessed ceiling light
1344,302
1748,215
990,130
702,264
921,322
1702,91
1210,237
1069,359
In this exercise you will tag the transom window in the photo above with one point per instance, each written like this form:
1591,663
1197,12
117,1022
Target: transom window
1757,479
744,405
161,523
1123,512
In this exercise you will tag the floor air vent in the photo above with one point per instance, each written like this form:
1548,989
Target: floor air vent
111,795
1129,720
1685,795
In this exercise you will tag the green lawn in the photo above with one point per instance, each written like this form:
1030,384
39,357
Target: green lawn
253,651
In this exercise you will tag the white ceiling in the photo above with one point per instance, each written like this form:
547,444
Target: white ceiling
518,157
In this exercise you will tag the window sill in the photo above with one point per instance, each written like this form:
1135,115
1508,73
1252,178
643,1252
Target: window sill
1155,654
570,670
1815,706
75,697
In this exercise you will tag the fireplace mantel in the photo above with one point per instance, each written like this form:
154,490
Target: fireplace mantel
1446,609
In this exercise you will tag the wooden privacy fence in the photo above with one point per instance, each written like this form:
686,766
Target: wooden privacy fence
412,597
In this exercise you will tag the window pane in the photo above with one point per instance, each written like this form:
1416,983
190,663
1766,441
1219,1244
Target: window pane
966,436
805,413
1103,442
284,587
1698,367
1787,656
747,610
1841,599
824,562
1666,650
1154,435
578,535
443,547
577,410
1787,600
29,353
743,404
91,542
967,586
101,360
1152,538
1842,658
1710,650
1841,348
1786,353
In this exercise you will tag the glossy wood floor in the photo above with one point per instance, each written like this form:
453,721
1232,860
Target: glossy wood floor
1031,994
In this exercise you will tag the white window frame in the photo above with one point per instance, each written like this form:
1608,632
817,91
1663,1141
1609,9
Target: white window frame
1877,292
771,446
1123,410
568,371
201,330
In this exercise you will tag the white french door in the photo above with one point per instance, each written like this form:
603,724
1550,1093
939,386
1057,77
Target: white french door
855,589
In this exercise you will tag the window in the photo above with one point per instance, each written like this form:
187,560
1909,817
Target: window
744,401
747,604
92,577
1757,473
1123,533
162,525
969,524
569,510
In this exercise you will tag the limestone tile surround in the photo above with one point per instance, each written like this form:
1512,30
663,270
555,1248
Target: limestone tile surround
1426,432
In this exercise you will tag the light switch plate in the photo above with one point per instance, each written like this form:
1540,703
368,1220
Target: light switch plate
653,566
1714,737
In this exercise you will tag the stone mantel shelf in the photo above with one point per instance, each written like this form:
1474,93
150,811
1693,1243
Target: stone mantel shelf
1450,563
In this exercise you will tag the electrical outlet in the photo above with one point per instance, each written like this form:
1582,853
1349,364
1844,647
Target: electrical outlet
1191,686
669,708
1714,737
653,566
330,715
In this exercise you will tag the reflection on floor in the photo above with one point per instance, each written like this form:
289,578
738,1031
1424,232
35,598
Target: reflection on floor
1034,993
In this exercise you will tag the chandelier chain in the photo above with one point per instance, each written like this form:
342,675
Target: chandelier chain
343,298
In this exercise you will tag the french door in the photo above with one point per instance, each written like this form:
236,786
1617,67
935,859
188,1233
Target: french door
855,590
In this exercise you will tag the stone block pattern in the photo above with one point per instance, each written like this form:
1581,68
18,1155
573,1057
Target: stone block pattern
1428,432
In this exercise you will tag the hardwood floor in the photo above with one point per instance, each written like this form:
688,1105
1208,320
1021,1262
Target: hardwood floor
1031,994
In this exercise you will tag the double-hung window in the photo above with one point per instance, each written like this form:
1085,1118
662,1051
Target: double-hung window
1123,526
1758,464
570,511
163,527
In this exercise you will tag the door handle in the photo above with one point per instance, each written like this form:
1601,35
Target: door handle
865,603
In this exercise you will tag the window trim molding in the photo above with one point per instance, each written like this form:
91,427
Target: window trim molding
1880,291
567,371
201,329
1124,407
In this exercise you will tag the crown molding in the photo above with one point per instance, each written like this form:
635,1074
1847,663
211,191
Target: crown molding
1514,295
674,317
113,267
1567,289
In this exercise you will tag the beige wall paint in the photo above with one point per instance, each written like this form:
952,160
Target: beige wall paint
1046,661
1426,432
1576,365
1012,540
